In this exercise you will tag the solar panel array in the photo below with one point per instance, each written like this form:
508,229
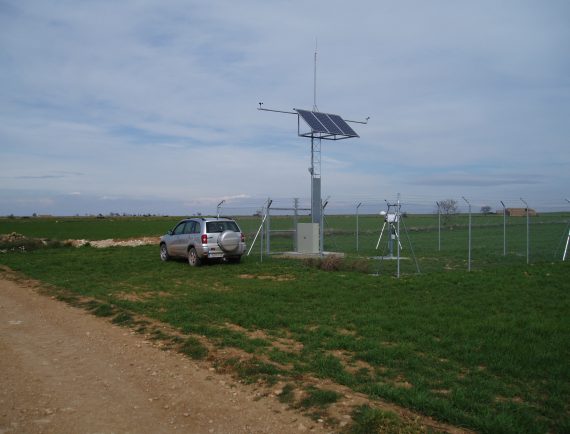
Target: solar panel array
326,124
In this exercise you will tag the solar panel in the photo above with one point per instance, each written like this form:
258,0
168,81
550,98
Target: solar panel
312,121
340,122
327,124
326,121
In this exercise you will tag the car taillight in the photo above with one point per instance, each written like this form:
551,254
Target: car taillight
204,239
242,238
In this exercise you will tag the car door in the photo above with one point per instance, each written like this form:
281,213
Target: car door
176,240
186,237
195,238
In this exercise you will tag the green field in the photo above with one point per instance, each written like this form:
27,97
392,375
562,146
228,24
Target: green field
548,234
488,350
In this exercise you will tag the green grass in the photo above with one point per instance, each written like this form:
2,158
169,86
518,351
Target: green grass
547,235
194,348
487,350
319,398
91,228
369,420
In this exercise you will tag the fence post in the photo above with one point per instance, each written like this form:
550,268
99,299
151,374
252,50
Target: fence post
219,207
398,217
295,220
567,240
268,227
527,232
469,248
438,227
357,233
504,228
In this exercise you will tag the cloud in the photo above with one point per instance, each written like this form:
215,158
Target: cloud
154,100
484,180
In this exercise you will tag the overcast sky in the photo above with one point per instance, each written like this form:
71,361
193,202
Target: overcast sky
151,106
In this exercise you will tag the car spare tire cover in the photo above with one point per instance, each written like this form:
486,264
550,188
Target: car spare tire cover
229,241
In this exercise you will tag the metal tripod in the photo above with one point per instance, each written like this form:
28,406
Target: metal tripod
393,220
393,235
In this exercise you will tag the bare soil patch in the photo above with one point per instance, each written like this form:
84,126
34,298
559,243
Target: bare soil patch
275,278
129,242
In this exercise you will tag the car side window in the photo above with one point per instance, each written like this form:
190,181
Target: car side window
196,228
179,229
189,227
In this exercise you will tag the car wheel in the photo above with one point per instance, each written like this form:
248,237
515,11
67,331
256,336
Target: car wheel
164,256
193,258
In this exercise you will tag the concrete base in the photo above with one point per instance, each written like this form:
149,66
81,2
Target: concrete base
389,258
300,255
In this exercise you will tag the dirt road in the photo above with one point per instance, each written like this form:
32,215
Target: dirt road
63,370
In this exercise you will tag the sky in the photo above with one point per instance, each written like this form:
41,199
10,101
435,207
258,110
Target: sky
144,106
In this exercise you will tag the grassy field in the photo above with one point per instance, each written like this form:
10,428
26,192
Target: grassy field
488,350
418,233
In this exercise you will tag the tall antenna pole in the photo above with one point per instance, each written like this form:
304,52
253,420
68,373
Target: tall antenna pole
315,79
316,201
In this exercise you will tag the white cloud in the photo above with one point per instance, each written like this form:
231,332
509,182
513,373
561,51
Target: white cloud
157,100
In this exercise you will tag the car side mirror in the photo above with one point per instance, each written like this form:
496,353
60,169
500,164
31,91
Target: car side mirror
169,232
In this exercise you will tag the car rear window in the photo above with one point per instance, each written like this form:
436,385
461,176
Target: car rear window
221,226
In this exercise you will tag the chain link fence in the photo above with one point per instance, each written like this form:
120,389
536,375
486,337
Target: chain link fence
441,235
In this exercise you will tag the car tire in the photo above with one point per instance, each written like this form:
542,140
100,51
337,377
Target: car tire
164,256
193,258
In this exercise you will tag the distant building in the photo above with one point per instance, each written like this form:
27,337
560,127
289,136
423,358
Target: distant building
520,212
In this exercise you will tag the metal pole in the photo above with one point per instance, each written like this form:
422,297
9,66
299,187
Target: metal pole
322,225
268,227
218,208
469,248
438,227
527,232
357,233
296,220
312,171
504,228
566,247
567,240
261,239
315,81
256,235
398,231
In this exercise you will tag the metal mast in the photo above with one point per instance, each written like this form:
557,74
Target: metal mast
322,126
315,170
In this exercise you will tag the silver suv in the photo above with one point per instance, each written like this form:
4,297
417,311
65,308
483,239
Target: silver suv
200,239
